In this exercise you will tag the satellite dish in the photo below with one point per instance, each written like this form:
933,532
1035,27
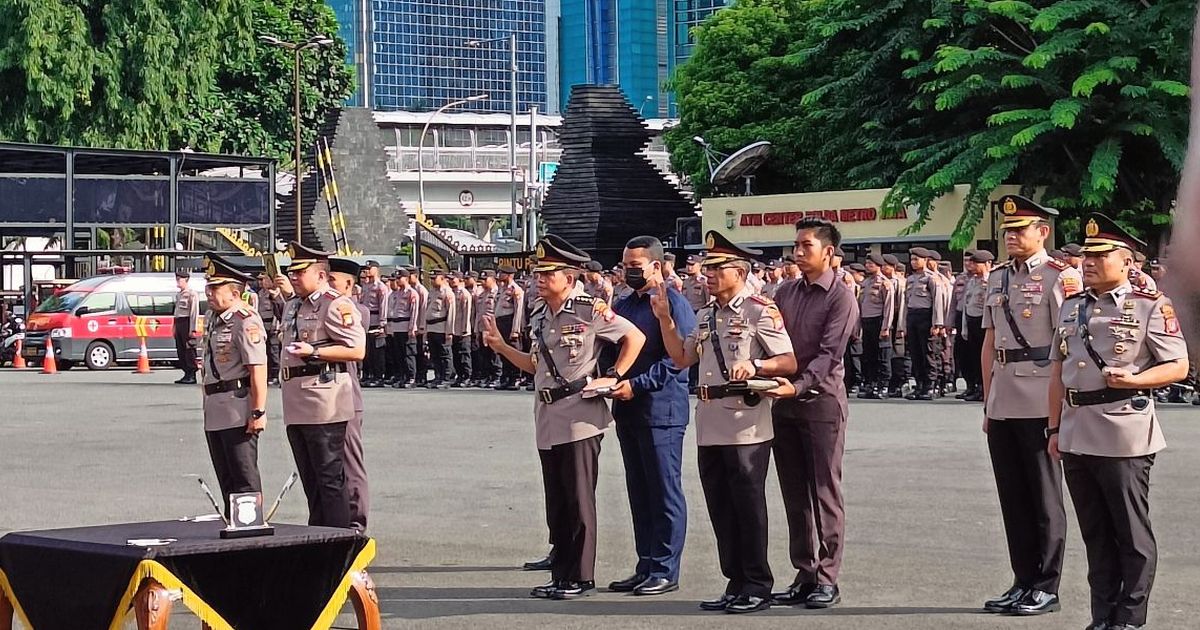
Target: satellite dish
741,164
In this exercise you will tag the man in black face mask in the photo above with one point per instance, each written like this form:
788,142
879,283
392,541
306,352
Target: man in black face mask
651,409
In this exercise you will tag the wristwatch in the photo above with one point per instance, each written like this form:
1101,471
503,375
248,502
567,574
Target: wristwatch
758,365
316,355
258,413
612,372
1051,431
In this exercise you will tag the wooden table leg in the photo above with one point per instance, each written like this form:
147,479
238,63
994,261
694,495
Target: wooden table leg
6,613
152,606
366,603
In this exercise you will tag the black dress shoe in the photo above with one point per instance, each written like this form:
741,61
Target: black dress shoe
911,396
795,595
538,565
1036,602
1098,625
717,604
544,591
656,586
568,589
1122,626
824,596
748,604
896,393
628,584
924,396
1004,603
974,397
873,396
187,380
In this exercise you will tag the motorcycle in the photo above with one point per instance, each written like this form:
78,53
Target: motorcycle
12,332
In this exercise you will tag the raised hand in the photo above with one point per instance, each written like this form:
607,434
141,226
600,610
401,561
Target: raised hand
491,334
660,303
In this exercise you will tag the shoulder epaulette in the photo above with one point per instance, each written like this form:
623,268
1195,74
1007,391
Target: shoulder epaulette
1152,294
244,312
331,294
762,299
1007,263
585,299
1058,264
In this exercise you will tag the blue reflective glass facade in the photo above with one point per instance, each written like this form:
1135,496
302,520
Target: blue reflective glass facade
350,15
688,14
421,60
615,42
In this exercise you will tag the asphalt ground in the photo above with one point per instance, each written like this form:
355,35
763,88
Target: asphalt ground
457,506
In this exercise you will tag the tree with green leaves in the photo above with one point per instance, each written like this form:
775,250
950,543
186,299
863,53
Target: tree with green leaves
1082,99
164,74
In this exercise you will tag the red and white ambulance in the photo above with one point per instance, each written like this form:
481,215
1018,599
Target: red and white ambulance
99,322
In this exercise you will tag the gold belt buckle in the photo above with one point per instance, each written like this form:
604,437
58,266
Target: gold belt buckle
702,393
1071,398
1001,356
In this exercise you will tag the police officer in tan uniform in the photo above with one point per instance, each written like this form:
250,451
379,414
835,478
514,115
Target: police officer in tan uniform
439,326
594,283
1024,297
186,321
923,319
270,309
739,336
877,303
567,334
970,329
235,380
418,332
323,333
462,330
343,275
510,318
374,297
487,371
1112,346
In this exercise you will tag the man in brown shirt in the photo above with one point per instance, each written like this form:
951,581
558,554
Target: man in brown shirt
235,380
819,314
567,334
733,425
1113,344
323,333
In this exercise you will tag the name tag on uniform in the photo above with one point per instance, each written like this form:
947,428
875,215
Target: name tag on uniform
574,329
1032,287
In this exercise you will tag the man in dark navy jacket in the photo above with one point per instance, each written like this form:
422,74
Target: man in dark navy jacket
651,409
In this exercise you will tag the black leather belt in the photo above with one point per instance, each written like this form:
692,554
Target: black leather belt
310,369
1041,353
226,386
551,395
1078,398
729,390
393,320
437,320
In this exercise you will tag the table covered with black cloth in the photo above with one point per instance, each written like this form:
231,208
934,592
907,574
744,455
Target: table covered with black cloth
85,578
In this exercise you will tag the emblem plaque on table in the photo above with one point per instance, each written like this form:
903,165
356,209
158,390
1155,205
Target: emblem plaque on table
246,516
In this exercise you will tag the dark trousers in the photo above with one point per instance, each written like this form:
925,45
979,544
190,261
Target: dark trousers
1112,500
184,349
653,459
422,361
917,340
488,368
357,494
971,350
852,360
274,347
877,354
319,450
734,479
508,372
1029,484
569,474
375,363
808,460
235,461
439,356
462,357
404,347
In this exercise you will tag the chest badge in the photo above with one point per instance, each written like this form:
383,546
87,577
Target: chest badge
1027,313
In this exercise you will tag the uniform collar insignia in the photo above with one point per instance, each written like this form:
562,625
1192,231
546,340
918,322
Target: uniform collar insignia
1036,260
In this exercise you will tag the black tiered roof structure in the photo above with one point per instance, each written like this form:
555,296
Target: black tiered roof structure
605,191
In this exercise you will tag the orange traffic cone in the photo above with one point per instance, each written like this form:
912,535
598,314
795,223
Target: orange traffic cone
49,365
143,359
18,360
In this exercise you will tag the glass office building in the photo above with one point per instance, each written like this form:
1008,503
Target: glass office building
615,42
688,14
355,31
421,58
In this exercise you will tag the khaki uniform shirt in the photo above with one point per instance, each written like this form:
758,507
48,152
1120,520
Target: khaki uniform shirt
374,297
322,319
695,290
485,304
572,337
463,319
422,306
270,308
878,299
1036,291
187,304
232,340
440,314
402,304
748,327
923,291
601,290
1142,280
512,304
769,289
974,300
1129,328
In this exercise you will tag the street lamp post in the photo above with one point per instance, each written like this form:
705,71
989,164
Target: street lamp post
316,41
511,40
648,99
421,172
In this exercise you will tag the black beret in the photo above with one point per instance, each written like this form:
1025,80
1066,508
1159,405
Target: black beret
891,259
982,256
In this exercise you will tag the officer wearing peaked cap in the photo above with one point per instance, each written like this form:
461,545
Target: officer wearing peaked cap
567,331
739,335
343,275
323,333
235,379
1113,345
1024,298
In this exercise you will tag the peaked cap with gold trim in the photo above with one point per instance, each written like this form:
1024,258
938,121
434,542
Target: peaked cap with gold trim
1019,212
554,253
217,271
722,250
1104,235
303,257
